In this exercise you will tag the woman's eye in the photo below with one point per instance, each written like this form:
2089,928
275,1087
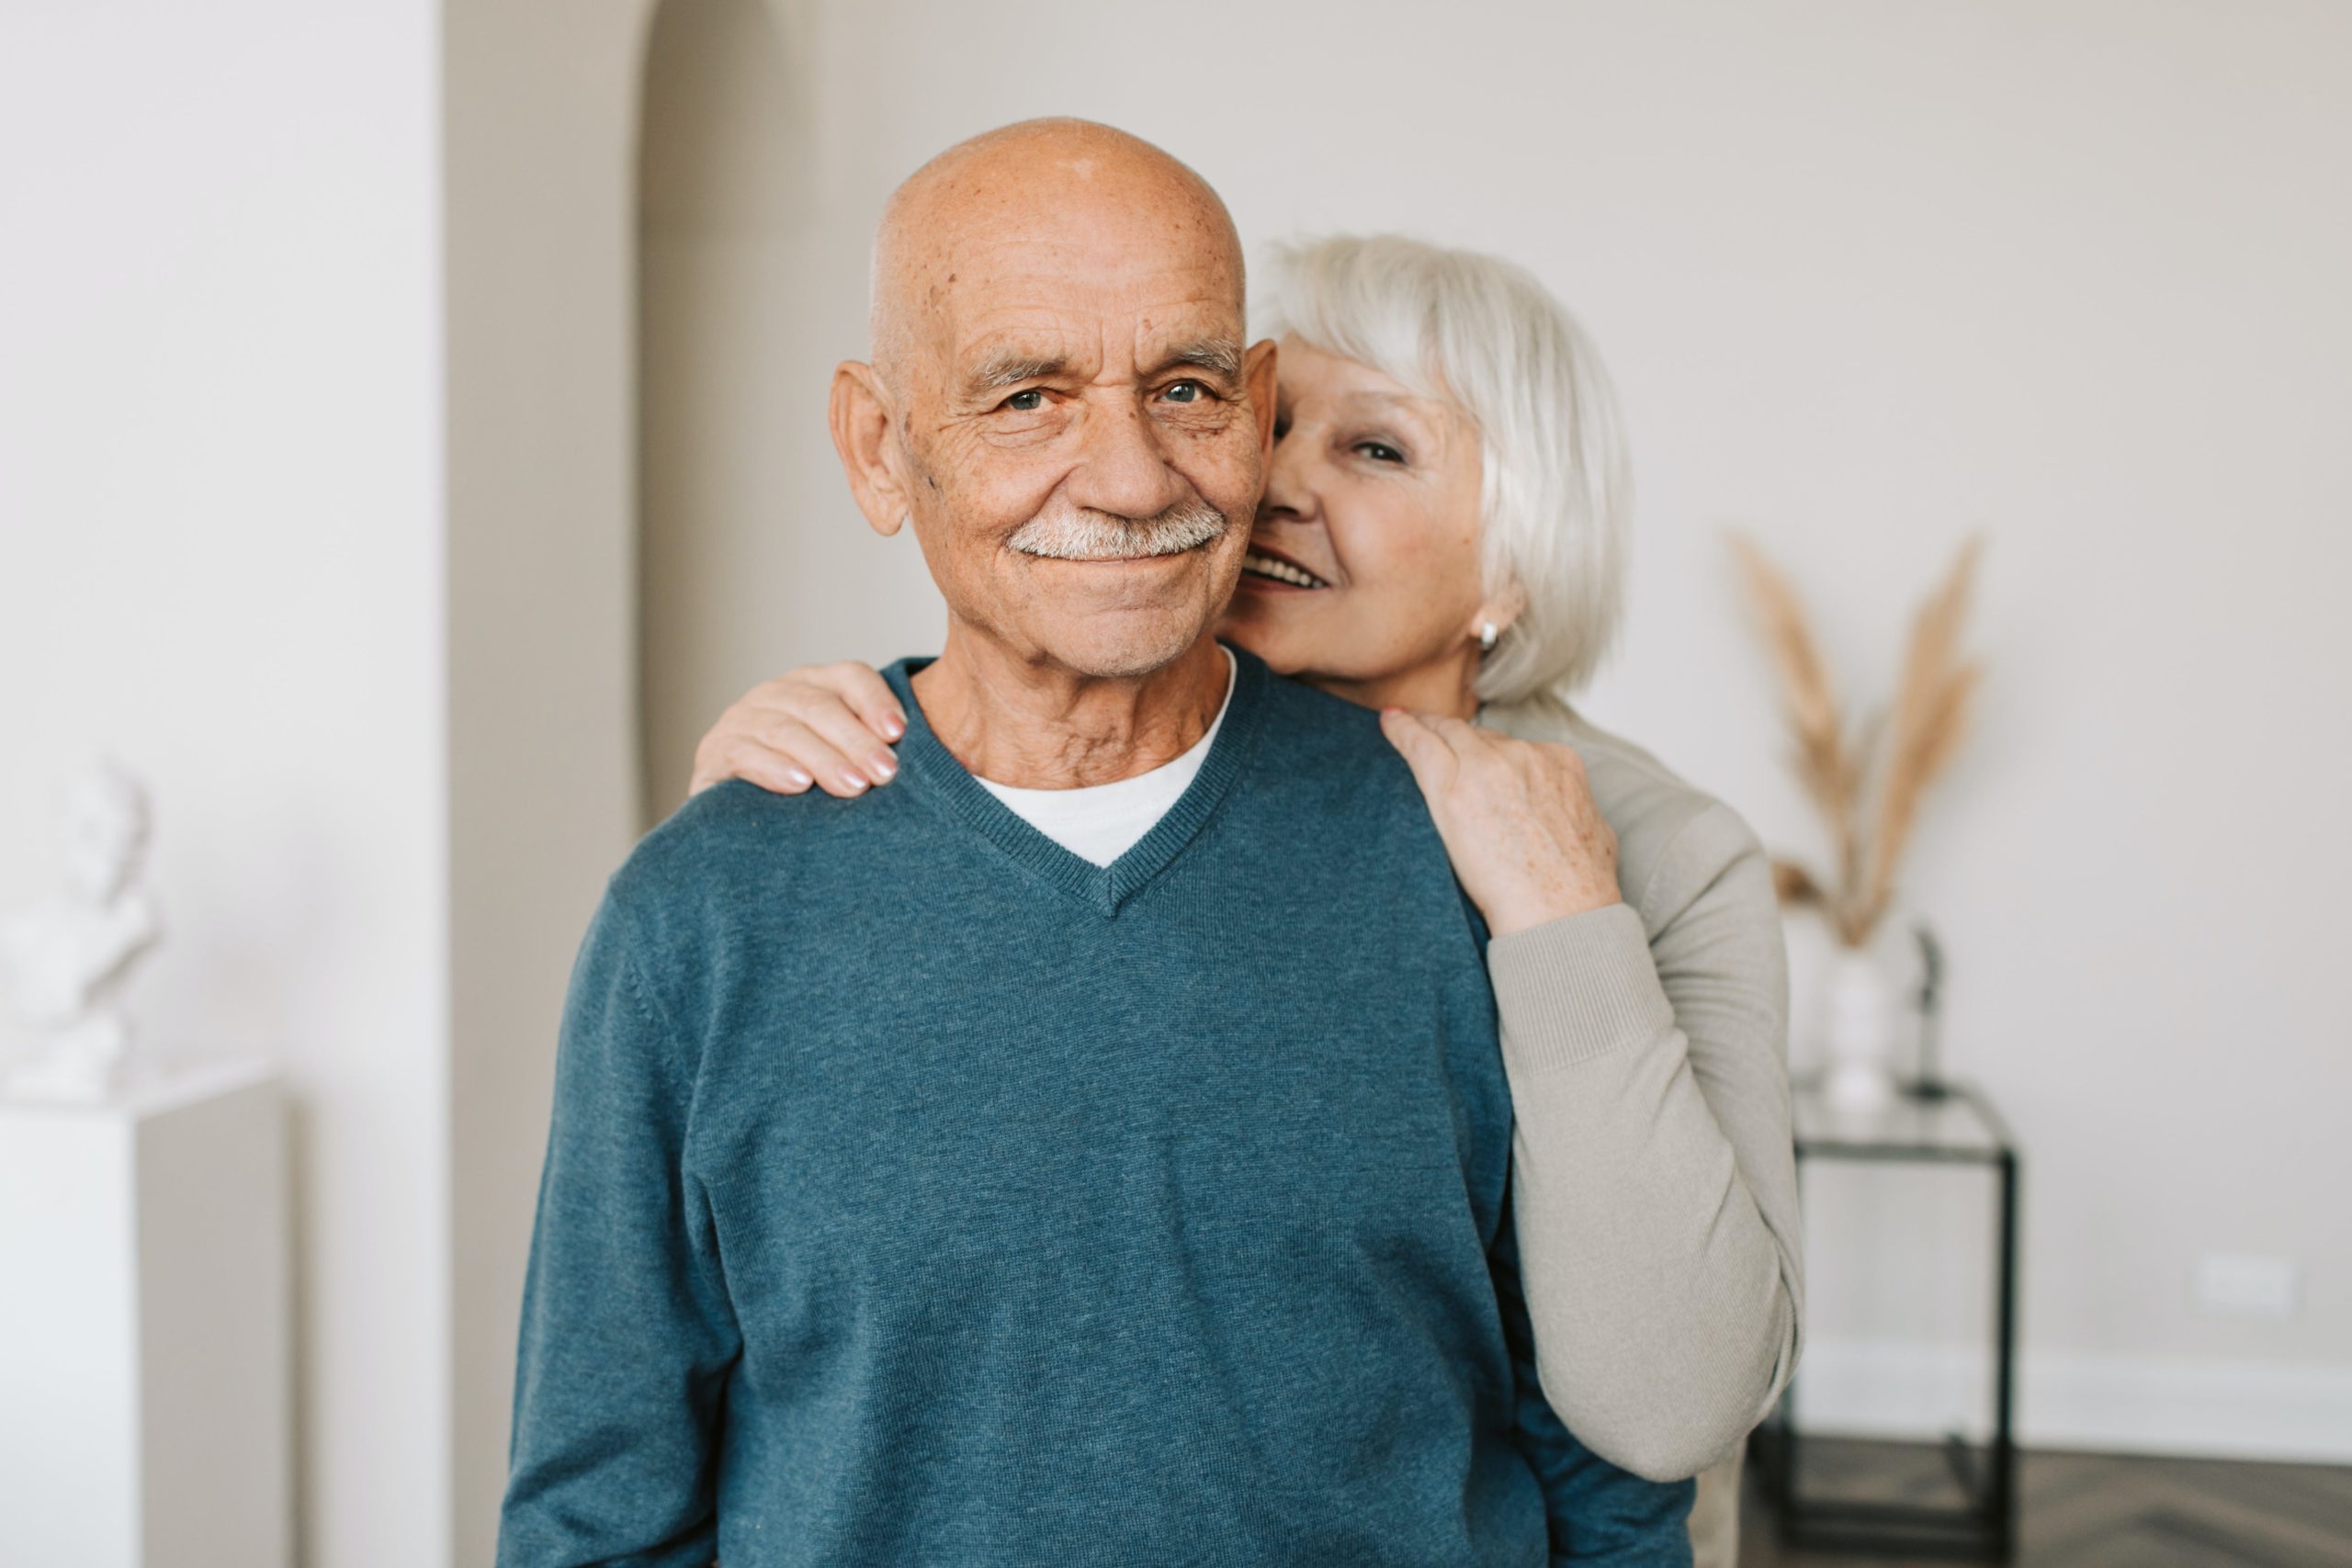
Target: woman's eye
1029,399
1380,451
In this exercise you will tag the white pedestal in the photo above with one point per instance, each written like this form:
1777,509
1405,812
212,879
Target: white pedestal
144,1395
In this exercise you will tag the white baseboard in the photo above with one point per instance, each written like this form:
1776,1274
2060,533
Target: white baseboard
2078,1400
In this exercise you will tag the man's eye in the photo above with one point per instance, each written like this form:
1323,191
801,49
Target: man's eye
1186,392
1029,399
1380,451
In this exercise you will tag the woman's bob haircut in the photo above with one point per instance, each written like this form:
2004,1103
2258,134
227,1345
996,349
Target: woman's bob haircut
1484,335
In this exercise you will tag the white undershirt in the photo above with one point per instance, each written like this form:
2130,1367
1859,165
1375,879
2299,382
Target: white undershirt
1102,822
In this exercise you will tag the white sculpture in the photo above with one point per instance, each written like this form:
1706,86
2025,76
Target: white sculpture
63,962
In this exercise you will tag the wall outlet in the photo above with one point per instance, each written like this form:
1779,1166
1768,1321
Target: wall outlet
2234,1284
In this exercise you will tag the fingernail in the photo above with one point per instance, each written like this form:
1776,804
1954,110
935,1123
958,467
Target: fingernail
894,725
881,767
853,781
795,777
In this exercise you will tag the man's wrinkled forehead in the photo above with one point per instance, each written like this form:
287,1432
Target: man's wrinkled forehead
1092,308
1033,312
1068,231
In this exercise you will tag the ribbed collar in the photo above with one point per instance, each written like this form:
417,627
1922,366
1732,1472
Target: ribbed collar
1104,888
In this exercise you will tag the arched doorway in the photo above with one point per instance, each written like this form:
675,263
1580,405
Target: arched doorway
721,192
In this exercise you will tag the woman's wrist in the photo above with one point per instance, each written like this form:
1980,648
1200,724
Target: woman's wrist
1538,903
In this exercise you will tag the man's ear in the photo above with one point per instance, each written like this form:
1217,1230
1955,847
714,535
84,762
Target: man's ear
1258,375
859,411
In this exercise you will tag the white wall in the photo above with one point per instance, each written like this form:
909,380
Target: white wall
221,557
540,105
752,225
730,241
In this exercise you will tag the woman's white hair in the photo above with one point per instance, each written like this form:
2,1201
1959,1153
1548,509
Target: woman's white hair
1484,334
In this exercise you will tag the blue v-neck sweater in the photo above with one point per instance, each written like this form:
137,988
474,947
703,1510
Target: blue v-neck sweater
918,1192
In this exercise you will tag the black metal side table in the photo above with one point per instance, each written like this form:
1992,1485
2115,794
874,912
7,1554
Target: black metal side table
1949,1124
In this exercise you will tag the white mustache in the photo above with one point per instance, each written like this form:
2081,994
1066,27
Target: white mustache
1076,534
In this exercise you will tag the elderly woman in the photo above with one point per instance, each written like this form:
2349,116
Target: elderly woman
1442,538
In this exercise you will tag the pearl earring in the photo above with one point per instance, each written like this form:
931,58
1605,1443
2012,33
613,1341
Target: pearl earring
1487,632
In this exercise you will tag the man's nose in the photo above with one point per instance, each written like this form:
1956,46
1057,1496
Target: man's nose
1122,467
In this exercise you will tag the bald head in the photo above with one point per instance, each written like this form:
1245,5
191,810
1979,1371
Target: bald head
1061,402
1050,192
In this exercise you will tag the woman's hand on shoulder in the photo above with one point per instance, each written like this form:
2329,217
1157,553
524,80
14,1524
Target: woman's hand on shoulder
1518,820
827,725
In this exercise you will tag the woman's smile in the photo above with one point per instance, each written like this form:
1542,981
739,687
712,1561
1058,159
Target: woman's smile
1268,570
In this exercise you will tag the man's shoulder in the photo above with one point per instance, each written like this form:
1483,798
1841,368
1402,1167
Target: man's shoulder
1326,775
1314,737
735,840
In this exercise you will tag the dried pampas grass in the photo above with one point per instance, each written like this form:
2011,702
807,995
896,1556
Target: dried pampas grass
1867,785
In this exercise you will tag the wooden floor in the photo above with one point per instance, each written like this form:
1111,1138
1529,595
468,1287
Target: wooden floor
2098,1510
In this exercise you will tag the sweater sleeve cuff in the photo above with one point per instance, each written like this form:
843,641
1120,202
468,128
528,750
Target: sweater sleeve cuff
1576,987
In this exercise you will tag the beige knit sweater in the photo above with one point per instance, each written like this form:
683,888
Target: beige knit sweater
1646,1044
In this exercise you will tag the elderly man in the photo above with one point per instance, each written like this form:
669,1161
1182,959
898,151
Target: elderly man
1119,1184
